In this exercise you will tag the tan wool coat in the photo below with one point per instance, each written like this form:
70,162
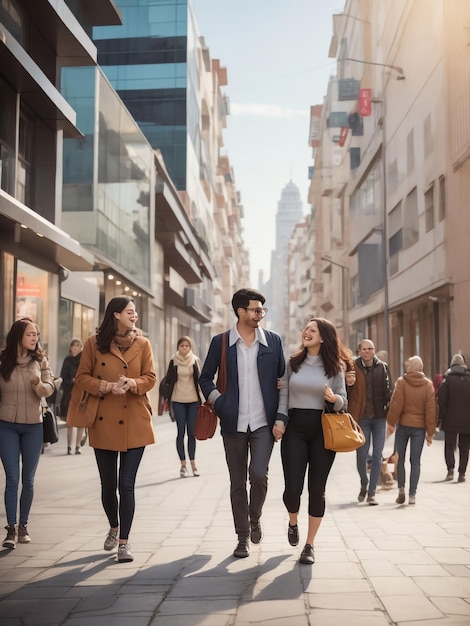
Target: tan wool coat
20,400
122,421
413,403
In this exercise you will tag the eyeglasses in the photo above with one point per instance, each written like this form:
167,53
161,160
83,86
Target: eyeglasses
256,311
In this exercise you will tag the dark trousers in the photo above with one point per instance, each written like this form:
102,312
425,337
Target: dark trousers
185,415
302,445
449,450
258,446
119,514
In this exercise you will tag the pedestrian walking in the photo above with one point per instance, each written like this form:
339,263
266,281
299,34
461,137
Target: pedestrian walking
25,378
454,418
182,380
247,410
117,366
368,401
413,410
67,373
315,375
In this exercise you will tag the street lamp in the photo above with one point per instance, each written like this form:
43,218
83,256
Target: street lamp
344,295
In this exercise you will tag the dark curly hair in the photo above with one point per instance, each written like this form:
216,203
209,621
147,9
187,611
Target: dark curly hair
9,354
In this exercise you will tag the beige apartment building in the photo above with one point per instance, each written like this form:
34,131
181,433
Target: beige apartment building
390,183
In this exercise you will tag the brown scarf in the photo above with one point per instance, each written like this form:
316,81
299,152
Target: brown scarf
126,340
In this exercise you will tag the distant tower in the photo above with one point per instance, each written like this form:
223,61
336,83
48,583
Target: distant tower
289,213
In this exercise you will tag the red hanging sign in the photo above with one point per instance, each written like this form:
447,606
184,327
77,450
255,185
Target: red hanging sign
343,135
365,102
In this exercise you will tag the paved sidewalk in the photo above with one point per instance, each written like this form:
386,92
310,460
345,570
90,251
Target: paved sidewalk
375,566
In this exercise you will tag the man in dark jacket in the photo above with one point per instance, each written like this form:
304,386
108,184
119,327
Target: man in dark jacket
454,399
368,401
247,410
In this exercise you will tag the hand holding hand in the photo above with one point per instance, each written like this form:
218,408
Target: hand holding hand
278,431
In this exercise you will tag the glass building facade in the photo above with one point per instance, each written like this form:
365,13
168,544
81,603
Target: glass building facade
107,176
145,60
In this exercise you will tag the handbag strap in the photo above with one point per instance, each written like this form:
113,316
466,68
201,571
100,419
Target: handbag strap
222,374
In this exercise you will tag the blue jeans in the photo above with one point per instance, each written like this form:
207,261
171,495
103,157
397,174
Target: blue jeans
185,415
373,428
19,441
416,437
107,461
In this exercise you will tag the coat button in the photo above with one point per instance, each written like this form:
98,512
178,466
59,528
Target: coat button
103,364
125,367
100,417
121,421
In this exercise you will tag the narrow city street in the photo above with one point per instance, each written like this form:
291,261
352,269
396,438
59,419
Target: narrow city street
388,564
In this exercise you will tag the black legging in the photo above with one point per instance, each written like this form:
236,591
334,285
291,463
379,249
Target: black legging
107,461
302,444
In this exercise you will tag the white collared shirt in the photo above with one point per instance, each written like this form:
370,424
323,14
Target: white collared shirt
251,411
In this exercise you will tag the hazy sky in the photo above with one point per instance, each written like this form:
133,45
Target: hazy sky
276,55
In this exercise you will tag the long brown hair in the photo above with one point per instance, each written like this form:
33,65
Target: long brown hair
331,350
9,354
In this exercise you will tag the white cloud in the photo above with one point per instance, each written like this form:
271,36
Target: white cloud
266,110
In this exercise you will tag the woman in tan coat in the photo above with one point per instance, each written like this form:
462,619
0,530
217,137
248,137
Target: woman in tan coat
25,378
413,408
117,367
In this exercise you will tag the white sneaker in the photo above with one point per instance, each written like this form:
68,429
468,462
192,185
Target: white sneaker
124,553
411,499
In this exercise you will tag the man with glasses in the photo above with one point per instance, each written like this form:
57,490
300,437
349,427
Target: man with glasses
247,410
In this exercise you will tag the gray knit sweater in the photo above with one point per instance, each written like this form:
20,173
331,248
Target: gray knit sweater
305,389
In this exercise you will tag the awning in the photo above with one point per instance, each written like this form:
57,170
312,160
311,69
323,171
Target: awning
22,230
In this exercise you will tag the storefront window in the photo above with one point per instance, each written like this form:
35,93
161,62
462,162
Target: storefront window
75,320
32,289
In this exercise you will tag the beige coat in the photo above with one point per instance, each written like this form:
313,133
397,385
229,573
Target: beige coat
20,400
123,421
413,403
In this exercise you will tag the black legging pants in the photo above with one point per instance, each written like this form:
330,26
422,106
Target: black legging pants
302,444
119,514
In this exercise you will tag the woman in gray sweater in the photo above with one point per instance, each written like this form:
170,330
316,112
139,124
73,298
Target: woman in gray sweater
25,378
315,375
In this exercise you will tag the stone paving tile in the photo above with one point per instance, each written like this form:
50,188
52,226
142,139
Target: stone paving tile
339,586
410,607
187,620
254,612
453,606
324,617
452,587
198,606
413,570
381,567
395,586
349,601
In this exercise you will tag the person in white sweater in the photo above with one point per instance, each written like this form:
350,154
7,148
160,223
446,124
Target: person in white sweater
315,375
183,391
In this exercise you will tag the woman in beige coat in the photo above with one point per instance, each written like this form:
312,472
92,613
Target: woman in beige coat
25,378
413,408
117,367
